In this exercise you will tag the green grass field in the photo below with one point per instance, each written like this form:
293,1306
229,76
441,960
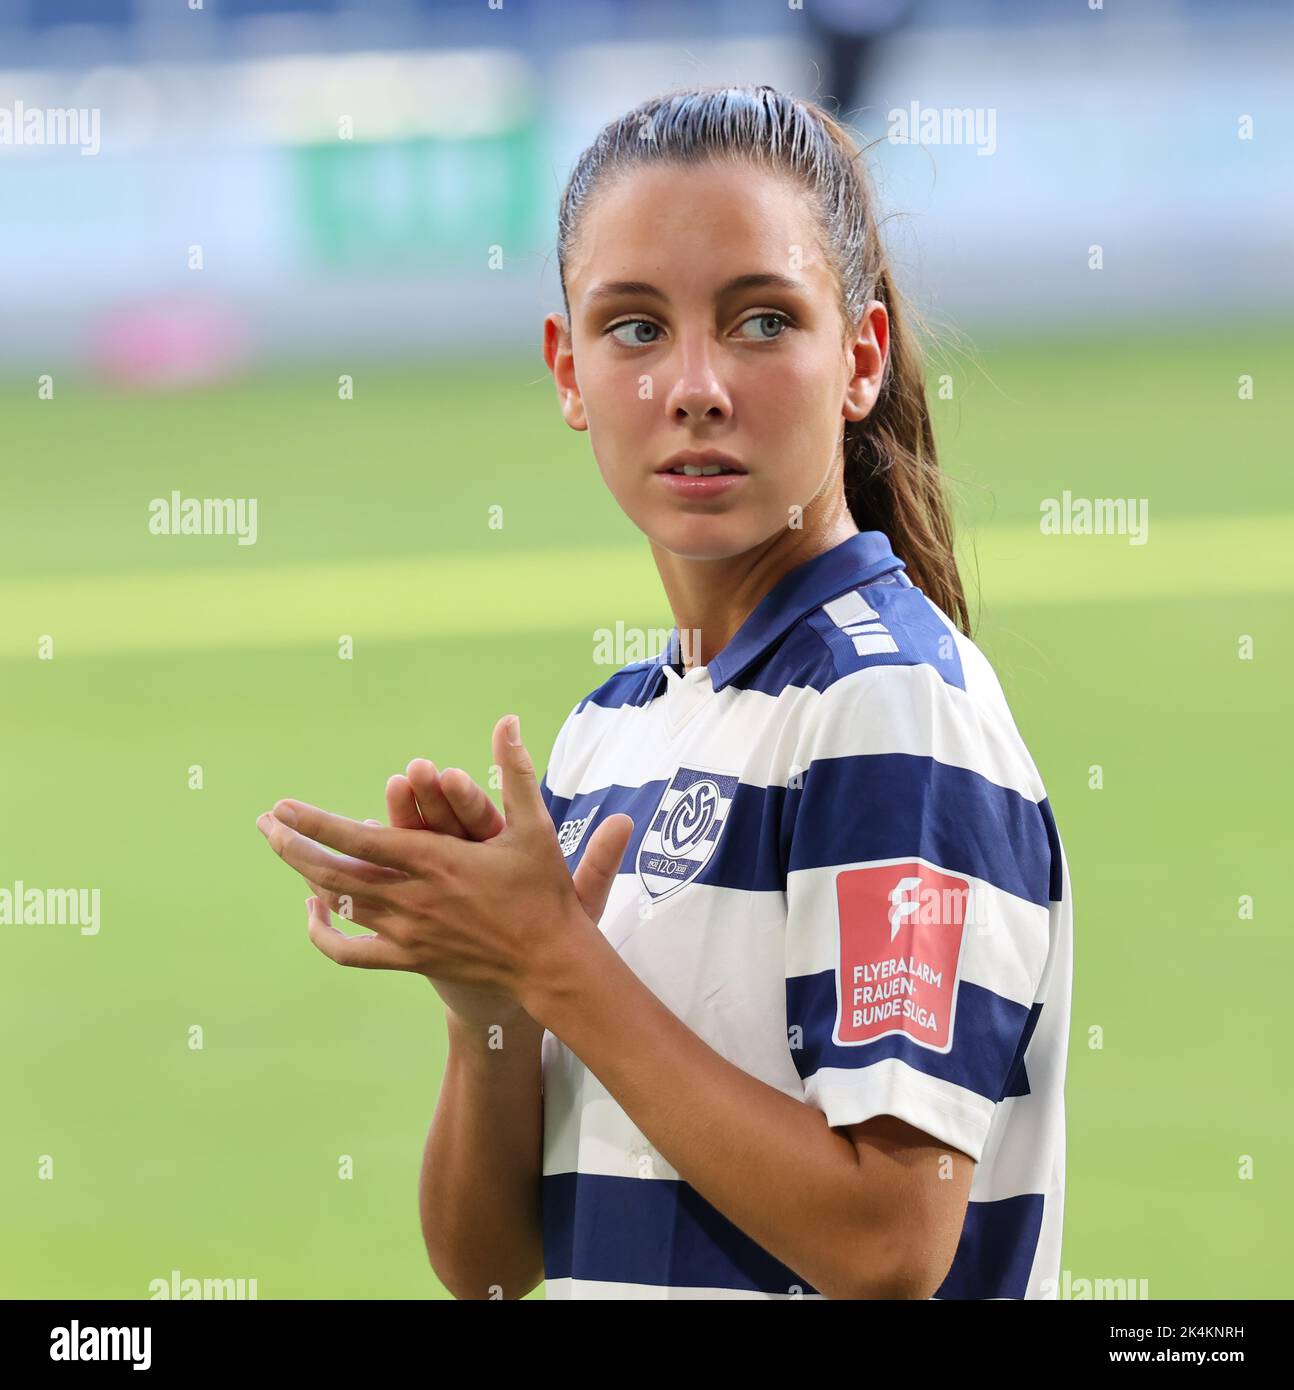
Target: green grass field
373,522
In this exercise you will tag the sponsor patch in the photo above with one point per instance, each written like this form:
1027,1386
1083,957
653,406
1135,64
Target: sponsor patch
572,832
901,931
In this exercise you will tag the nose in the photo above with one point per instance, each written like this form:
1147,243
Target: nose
697,393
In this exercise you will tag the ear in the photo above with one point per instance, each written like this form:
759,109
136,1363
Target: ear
560,357
867,351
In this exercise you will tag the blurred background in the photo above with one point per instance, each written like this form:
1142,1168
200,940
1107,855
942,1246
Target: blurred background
299,251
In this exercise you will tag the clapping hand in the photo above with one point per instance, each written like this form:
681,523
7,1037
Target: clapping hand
482,903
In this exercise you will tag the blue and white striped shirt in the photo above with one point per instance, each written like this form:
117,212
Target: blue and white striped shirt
846,879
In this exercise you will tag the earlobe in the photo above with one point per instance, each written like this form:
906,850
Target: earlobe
572,400
862,389
859,399
573,413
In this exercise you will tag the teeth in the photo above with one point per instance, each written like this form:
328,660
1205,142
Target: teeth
691,470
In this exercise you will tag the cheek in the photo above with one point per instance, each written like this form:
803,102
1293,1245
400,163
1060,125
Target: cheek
618,409
795,400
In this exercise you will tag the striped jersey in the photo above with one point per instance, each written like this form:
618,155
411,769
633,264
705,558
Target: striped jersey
845,877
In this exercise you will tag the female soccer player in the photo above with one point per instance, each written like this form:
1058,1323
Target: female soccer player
764,990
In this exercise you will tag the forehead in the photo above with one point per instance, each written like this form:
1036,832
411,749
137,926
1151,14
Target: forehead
686,228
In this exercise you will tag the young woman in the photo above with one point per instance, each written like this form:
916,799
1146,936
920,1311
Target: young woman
764,990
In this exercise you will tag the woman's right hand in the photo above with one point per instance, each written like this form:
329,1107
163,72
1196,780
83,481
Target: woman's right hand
451,803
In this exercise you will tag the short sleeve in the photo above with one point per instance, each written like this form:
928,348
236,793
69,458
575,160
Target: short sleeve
919,873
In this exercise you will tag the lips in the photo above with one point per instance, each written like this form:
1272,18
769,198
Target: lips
708,463
701,486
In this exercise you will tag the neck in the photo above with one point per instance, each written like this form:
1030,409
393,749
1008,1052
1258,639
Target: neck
711,598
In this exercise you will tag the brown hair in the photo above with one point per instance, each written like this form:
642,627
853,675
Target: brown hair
893,482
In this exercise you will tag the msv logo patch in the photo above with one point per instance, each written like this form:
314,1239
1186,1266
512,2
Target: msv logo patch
684,829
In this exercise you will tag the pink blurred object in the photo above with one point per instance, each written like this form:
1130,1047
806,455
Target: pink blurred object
164,344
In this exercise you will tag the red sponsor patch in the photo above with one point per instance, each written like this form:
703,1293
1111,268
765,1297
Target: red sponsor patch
901,928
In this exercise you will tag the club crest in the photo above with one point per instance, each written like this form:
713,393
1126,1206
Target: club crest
684,829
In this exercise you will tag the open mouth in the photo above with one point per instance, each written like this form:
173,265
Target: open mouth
709,470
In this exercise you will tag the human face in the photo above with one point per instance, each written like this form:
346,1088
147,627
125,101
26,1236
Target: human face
706,320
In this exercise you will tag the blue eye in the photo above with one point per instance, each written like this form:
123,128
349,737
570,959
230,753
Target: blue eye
635,326
777,321
643,332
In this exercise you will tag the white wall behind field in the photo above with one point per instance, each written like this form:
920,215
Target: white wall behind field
1105,131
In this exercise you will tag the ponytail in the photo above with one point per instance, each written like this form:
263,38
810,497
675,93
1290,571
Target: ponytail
893,482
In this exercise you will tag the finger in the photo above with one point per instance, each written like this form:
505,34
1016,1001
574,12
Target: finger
597,870
436,812
366,952
480,818
401,804
405,850
523,806
364,913
339,872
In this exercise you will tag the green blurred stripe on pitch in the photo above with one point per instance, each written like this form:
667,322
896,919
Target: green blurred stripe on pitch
1183,557
510,592
303,605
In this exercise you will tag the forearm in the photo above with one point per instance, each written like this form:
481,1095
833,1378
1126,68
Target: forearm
764,1159
480,1186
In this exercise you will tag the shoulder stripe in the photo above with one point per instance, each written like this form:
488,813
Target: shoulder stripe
895,806
857,810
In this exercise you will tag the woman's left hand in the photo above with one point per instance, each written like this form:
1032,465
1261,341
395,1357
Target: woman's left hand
497,915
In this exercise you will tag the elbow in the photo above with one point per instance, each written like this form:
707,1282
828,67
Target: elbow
465,1286
452,1279
900,1267
915,1280
466,1283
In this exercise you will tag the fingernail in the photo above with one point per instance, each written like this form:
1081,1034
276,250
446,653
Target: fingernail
262,823
287,815
514,730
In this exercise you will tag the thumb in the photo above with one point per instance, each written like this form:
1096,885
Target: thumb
597,870
523,806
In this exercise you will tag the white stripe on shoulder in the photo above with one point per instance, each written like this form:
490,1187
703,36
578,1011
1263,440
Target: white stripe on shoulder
912,709
768,739
984,687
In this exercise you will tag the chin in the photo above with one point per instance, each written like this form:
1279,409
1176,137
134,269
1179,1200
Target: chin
706,536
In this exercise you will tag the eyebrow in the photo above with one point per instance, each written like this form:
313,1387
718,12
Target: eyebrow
615,289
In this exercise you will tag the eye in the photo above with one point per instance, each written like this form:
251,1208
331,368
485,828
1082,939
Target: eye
630,332
767,326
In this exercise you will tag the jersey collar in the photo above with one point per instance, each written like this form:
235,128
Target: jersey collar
858,560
